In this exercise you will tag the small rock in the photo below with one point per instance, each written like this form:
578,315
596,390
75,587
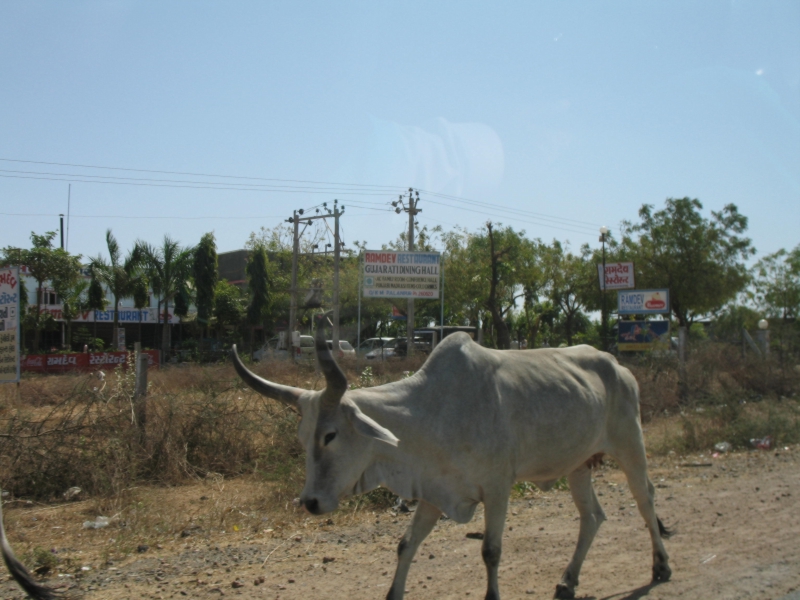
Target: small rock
236,584
327,559
142,548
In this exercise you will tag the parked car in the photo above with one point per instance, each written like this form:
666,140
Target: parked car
384,352
346,350
371,344
272,348
420,347
306,348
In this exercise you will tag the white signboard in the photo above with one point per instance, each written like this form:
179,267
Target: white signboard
130,316
619,276
643,302
9,324
390,274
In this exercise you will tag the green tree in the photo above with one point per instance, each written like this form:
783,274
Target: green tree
777,284
258,284
229,306
45,263
206,273
569,279
119,275
700,260
169,267
73,302
486,273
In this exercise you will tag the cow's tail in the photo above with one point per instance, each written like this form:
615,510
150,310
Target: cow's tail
663,531
18,571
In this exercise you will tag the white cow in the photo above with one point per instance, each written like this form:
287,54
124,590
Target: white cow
470,423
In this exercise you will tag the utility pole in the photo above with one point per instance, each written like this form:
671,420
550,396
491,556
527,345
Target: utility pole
412,211
293,302
337,246
296,219
603,312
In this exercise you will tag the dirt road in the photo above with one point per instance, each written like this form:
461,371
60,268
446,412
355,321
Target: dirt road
738,536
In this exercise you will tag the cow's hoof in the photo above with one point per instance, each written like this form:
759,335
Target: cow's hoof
563,592
661,572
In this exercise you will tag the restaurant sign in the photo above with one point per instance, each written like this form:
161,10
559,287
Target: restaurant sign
643,302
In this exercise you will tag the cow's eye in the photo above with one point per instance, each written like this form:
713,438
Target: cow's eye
329,437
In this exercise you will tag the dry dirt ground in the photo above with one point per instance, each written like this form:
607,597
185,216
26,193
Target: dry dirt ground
738,536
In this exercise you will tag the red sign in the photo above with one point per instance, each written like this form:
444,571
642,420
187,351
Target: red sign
618,276
90,361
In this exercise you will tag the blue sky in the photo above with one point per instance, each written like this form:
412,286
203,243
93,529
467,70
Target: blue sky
552,117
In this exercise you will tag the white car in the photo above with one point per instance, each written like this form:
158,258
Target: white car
346,349
374,343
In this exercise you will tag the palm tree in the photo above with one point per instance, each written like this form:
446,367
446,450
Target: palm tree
73,302
96,301
169,267
141,297
119,275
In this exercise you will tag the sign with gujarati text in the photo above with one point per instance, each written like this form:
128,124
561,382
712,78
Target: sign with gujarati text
643,302
389,274
9,324
637,336
619,276
86,361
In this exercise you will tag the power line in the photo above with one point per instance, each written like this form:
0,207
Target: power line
162,217
511,209
364,185
205,186
450,201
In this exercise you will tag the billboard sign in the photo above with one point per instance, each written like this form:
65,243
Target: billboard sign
619,276
389,274
9,324
643,302
128,316
636,336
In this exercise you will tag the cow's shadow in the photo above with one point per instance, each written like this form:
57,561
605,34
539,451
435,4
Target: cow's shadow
636,594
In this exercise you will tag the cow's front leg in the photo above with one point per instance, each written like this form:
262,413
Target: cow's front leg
592,516
424,519
494,516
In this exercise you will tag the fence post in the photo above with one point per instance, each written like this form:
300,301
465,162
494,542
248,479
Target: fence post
683,385
140,388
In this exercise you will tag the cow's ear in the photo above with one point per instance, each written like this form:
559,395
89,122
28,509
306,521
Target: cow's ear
369,428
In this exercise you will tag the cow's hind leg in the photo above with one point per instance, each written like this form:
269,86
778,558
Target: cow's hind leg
494,516
633,461
592,516
424,519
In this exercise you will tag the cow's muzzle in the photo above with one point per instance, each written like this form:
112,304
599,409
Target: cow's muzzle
312,506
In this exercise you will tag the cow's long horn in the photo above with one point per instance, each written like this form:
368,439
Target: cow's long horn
284,393
335,380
